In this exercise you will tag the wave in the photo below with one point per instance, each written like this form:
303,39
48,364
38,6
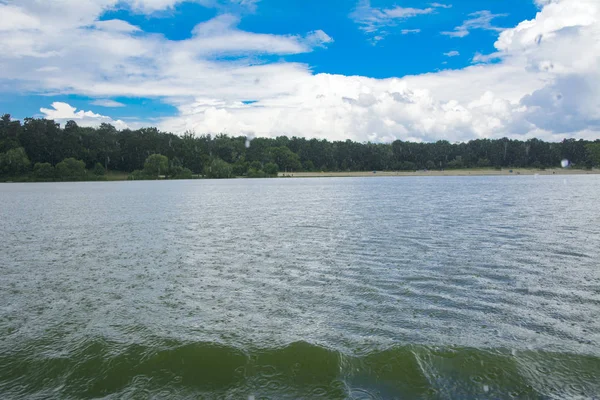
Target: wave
163,369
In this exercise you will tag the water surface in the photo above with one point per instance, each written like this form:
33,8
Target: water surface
432,287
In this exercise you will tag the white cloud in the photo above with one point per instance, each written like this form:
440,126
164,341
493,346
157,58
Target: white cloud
318,38
115,25
485,58
546,82
452,53
107,103
409,31
151,6
479,20
373,20
220,35
12,18
439,5
63,112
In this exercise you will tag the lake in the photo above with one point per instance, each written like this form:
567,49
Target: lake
359,288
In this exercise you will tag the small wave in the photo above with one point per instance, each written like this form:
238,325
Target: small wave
300,370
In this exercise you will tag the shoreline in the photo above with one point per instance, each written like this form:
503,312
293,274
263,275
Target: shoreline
455,172
122,177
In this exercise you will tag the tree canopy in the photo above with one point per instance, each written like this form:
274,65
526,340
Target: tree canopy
23,145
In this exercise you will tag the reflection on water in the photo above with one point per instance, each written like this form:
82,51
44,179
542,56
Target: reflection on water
341,288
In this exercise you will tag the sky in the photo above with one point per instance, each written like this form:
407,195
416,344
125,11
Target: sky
365,70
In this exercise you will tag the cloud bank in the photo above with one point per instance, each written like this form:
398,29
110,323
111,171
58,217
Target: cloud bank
545,80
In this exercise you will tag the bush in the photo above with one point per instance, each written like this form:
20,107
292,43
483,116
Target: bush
408,166
14,162
156,165
71,169
483,163
271,169
309,166
254,173
456,163
218,169
537,165
240,168
139,175
256,165
180,173
99,170
43,171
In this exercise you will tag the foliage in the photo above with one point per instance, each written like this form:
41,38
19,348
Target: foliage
593,153
9,133
99,170
71,169
148,149
218,169
271,169
407,166
139,175
240,168
43,171
14,162
456,163
286,159
180,173
254,173
309,166
156,165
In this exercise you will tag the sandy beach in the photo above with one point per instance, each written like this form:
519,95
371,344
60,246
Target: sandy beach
458,172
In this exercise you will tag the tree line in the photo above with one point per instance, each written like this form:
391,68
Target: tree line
42,148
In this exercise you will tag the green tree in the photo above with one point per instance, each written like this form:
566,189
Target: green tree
309,166
45,141
593,153
14,162
43,171
271,169
156,165
408,166
178,172
240,168
256,165
483,163
99,170
456,163
9,133
254,173
218,169
286,159
71,169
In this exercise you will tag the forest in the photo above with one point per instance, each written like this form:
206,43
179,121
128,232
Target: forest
40,149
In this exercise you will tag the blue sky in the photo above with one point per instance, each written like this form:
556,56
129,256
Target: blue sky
193,65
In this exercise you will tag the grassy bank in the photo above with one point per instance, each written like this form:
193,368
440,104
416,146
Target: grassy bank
113,176
454,172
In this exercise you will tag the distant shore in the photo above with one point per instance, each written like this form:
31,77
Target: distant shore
453,172
113,176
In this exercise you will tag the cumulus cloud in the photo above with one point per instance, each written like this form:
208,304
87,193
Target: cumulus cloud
545,82
452,53
63,112
14,18
478,20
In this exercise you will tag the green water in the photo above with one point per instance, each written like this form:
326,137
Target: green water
379,288
299,370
